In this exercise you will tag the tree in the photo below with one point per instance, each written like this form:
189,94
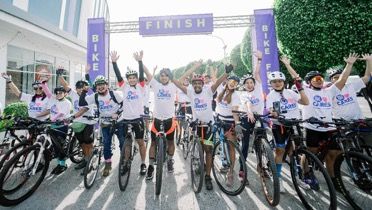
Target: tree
318,34
246,50
236,60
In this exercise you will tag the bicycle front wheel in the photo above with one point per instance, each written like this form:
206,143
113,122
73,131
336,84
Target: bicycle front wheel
11,152
316,190
197,166
75,151
226,167
125,166
92,168
353,171
159,164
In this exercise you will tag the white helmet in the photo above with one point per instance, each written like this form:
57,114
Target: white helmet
275,75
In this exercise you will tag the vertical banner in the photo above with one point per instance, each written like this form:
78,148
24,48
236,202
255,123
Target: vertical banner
96,50
266,42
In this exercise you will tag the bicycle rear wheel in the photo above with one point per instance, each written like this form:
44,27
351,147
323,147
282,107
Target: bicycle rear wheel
75,151
353,171
197,166
12,151
92,168
159,164
125,165
226,170
186,146
322,194
19,183
267,169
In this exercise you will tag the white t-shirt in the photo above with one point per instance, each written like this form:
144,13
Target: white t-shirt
345,104
146,95
225,109
107,107
320,106
75,103
37,107
201,104
182,97
254,98
133,101
288,102
164,98
59,109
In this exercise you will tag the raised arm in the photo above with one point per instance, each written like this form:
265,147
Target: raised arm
368,73
340,83
287,62
62,80
194,67
114,58
11,85
138,57
256,72
223,77
46,90
179,85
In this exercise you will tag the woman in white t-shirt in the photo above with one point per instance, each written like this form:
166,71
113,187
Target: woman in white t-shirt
284,102
320,107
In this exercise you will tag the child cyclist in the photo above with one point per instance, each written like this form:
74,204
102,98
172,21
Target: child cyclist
288,102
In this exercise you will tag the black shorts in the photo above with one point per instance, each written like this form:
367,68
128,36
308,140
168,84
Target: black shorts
138,128
316,138
182,110
86,135
203,132
168,125
281,135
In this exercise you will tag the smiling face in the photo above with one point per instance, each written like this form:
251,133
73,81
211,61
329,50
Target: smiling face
335,78
132,80
101,88
317,82
232,84
60,95
186,82
249,84
164,79
277,84
198,86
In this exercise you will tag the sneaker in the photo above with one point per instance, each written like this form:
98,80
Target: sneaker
81,165
170,163
311,180
107,169
150,172
143,169
208,182
303,185
230,179
124,169
59,169
282,189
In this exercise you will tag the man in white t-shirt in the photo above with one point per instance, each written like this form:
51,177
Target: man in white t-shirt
201,104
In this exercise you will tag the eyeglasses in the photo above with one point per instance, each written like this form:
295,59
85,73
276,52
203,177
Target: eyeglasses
317,79
38,88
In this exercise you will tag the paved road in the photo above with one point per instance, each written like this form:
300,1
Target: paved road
67,191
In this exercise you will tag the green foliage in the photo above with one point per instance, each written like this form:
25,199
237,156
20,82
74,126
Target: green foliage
318,34
18,109
235,58
246,50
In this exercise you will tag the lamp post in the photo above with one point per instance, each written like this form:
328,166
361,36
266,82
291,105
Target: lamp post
223,47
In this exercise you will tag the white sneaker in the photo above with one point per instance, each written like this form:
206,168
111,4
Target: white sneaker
281,187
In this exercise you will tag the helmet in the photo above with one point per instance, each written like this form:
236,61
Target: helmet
131,72
59,88
247,76
333,71
100,80
197,77
36,83
81,84
311,75
233,77
276,75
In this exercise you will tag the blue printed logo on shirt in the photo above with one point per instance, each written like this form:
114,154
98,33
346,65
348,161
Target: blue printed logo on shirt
35,107
164,94
200,104
344,99
321,102
105,105
132,95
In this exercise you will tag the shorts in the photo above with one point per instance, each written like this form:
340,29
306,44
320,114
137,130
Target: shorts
86,135
138,128
169,128
281,135
317,138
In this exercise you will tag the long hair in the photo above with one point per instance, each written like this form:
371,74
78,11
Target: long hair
227,97
34,97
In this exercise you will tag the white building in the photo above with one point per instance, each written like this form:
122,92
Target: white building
39,35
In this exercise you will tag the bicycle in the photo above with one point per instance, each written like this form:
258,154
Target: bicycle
182,122
266,166
224,156
186,140
147,122
298,153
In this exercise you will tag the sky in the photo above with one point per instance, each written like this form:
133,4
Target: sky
177,51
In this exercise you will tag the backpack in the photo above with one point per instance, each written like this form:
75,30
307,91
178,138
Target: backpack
112,95
367,93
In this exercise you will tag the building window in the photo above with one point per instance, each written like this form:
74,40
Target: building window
49,11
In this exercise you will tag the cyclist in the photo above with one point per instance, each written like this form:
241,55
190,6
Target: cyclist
253,102
184,106
285,102
109,105
82,127
36,103
133,94
345,104
201,104
320,107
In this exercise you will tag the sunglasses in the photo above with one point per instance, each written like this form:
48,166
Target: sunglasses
317,79
38,88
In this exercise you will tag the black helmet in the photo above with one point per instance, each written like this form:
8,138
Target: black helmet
233,77
311,75
333,71
59,88
81,84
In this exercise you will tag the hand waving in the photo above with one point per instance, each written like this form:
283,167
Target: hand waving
352,58
114,56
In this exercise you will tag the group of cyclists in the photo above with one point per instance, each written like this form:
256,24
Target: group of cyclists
205,97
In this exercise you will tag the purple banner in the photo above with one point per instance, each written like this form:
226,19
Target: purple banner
265,41
176,25
96,50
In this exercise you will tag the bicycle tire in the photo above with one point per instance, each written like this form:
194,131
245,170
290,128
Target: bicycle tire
124,177
238,160
12,152
186,147
358,191
75,151
177,135
318,165
92,166
4,197
197,166
264,149
159,166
